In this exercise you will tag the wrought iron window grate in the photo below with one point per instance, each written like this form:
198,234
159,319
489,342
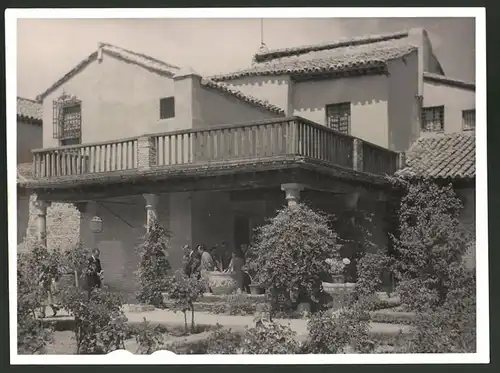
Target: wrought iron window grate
67,118
469,119
338,117
433,119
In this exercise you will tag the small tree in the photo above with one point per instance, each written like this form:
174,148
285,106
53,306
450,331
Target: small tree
431,241
75,260
100,324
154,266
185,291
32,333
289,255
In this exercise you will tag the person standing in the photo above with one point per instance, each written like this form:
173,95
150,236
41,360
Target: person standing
236,266
94,271
207,265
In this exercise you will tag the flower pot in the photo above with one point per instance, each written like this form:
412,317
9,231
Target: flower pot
222,283
256,290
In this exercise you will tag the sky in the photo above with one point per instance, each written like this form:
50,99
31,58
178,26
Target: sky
48,48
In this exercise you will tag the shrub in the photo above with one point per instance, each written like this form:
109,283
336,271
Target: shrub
153,265
288,256
223,341
451,327
149,338
431,241
75,260
370,268
331,333
269,338
35,270
185,291
100,323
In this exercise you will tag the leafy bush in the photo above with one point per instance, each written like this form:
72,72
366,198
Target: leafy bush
269,338
451,327
35,270
331,333
149,338
185,291
223,341
431,241
288,255
370,268
153,265
75,260
100,322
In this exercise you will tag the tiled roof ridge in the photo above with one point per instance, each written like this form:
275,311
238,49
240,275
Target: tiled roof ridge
340,43
30,109
141,55
322,65
223,88
449,80
113,50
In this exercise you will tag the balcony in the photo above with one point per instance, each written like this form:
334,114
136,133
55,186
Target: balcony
271,140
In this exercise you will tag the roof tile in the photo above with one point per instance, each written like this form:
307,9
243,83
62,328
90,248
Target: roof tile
449,156
327,61
30,109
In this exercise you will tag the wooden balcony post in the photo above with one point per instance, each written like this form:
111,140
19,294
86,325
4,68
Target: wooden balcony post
357,155
146,152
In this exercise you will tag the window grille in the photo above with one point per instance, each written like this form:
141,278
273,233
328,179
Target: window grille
338,117
433,119
67,119
167,107
469,119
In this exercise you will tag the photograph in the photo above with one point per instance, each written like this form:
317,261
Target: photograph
248,182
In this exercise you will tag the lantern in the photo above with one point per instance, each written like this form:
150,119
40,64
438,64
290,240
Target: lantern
96,225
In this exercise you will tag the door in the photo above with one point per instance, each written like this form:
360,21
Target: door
242,230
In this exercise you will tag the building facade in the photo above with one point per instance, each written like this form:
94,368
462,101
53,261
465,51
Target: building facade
129,138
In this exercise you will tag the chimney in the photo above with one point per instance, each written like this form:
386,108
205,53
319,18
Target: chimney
187,86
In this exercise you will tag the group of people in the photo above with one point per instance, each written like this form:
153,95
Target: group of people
200,261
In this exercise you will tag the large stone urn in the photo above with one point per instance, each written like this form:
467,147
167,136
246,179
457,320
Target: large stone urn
222,283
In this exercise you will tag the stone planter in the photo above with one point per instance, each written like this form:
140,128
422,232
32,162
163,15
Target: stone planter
256,290
222,283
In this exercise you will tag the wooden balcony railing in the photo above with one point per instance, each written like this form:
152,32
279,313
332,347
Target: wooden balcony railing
260,140
76,160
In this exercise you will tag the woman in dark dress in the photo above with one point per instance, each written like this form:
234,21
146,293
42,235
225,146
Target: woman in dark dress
94,271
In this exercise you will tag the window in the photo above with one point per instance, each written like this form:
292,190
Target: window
338,117
433,119
167,107
67,120
469,119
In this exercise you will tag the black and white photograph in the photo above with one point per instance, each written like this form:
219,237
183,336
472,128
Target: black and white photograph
281,182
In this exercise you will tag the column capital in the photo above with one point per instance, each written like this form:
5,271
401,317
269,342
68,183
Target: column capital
292,192
151,200
41,207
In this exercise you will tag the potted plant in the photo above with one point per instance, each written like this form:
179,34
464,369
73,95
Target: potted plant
337,269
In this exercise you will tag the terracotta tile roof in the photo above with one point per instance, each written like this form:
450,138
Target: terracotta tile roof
340,43
24,173
147,62
449,81
29,109
225,89
341,60
449,156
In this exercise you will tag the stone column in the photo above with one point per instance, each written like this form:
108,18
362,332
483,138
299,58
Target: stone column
151,205
41,213
292,193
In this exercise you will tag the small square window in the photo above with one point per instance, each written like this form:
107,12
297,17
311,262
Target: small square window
433,119
167,107
338,117
469,120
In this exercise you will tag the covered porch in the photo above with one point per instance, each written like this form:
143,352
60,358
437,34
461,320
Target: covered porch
207,186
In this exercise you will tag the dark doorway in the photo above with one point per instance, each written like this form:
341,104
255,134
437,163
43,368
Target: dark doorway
241,230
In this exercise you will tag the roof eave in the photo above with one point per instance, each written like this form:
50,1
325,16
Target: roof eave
449,81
